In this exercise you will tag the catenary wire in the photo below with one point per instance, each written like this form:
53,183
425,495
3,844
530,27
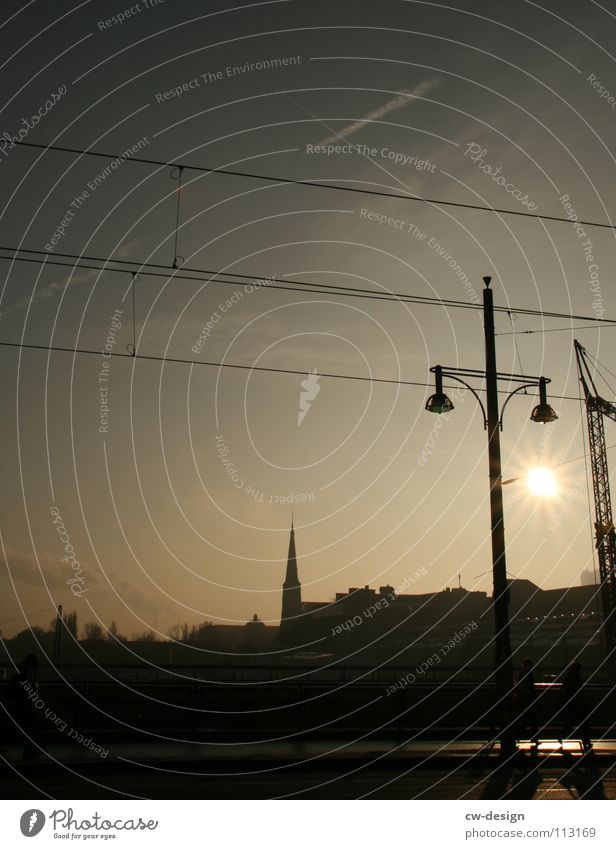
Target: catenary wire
317,184
555,329
244,367
294,285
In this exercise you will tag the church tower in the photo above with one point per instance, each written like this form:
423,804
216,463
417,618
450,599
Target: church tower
291,596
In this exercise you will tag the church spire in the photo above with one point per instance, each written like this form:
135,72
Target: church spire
291,593
291,579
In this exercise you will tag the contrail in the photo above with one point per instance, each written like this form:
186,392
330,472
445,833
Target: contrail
403,99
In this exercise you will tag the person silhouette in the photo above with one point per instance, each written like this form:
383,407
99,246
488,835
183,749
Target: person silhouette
24,693
525,702
574,709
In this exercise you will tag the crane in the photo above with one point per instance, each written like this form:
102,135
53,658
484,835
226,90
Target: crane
605,537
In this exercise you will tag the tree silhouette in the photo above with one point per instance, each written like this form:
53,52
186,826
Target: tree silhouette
70,623
93,631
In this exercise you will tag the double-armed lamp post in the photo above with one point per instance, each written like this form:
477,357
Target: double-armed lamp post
493,423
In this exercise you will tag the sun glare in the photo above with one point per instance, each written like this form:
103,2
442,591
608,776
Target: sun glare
541,482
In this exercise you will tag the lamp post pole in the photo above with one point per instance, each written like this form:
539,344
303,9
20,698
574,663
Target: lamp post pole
542,413
503,663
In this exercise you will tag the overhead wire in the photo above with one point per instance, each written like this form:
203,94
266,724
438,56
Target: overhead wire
153,269
28,615
598,366
244,366
317,184
306,286
150,269
555,329
293,285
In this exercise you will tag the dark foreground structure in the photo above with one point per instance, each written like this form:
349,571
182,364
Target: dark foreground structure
320,730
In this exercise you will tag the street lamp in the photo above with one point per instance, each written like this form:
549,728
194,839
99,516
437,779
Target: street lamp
493,423
543,413
439,402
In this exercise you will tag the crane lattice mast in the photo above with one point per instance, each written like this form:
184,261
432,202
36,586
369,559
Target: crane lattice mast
605,537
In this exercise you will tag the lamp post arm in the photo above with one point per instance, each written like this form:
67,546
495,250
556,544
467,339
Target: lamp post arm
510,396
470,388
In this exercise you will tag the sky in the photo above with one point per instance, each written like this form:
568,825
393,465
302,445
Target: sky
176,500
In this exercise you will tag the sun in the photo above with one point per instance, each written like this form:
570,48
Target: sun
542,482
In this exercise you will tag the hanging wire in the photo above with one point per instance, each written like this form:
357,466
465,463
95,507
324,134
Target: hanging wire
134,311
177,256
598,366
28,615
132,346
134,319
515,345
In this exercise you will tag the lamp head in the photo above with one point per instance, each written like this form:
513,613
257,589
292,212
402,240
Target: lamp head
439,403
543,412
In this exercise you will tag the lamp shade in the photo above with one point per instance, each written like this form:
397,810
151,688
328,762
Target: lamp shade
543,413
439,403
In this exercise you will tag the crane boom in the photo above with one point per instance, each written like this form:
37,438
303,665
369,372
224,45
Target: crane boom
605,537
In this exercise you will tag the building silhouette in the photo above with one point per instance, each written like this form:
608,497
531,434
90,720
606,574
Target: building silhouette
554,622
587,578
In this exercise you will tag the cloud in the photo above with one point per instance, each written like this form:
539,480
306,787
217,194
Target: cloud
51,289
128,248
136,599
24,568
405,98
55,574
